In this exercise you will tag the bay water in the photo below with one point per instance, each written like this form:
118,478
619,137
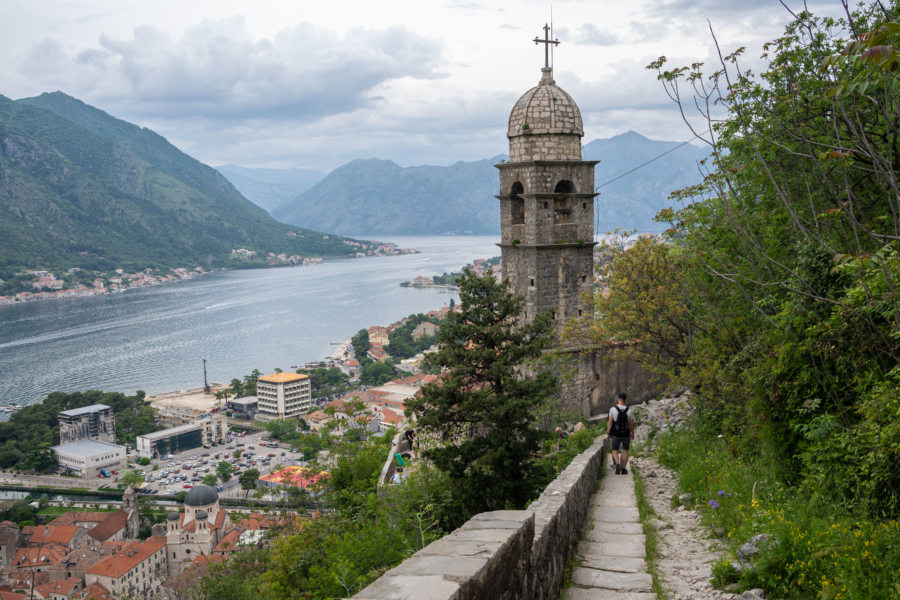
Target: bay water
155,339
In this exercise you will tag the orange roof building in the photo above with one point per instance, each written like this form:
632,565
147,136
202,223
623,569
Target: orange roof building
283,395
80,518
58,590
94,591
112,528
38,558
137,568
61,535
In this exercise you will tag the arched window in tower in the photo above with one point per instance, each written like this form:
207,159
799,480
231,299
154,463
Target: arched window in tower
517,204
562,202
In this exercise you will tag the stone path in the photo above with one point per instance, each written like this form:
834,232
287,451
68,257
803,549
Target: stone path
685,553
611,561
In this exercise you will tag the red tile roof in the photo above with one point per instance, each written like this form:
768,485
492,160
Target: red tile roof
130,556
53,534
228,543
112,524
95,591
63,588
48,555
79,516
4,595
390,417
202,559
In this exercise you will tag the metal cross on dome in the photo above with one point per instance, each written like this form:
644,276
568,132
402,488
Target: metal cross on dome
546,41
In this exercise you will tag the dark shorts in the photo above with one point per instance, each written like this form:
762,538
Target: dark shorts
619,443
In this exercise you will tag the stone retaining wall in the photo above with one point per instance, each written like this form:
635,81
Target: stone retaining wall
502,555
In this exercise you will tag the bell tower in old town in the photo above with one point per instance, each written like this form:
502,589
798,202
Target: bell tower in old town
547,215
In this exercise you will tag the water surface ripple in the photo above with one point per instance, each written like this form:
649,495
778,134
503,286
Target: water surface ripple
154,339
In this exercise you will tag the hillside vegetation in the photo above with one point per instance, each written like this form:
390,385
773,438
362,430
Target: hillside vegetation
80,188
775,295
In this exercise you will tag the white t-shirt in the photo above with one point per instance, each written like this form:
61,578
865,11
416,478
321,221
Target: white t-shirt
614,415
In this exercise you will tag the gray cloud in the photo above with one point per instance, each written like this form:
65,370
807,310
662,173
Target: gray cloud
216,70
590,34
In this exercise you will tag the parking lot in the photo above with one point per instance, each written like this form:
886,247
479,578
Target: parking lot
180,472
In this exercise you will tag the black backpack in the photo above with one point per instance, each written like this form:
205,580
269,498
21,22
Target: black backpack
620,426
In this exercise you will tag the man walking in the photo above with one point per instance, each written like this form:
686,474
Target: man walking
620,432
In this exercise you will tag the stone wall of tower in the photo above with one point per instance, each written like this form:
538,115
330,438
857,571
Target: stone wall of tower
554,277
542,147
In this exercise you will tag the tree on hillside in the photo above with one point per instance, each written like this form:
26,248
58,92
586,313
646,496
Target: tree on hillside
482,407
377,373
360,343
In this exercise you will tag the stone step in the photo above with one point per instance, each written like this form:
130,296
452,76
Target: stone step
605,537
611,527
610,580
601,594
614,563
615,514
596,549
623,499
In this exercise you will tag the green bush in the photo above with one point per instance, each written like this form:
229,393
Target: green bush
819,550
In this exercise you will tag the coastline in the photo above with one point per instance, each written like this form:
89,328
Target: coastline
118,285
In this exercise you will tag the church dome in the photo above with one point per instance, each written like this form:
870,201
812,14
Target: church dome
173,516
546,108
201,495
201,515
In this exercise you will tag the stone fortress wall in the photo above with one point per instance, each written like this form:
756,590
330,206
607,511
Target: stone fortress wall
503,555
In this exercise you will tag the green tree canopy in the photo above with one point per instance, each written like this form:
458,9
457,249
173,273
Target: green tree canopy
224,470
134,478
481,407
248,479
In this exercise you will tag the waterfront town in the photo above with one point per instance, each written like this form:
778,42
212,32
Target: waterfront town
119,551
79,283
99,554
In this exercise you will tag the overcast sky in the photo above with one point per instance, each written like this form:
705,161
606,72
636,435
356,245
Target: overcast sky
314,84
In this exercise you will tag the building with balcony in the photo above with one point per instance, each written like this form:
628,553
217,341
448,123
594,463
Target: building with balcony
94,422
283,396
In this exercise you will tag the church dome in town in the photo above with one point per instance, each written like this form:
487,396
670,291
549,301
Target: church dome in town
546,108
201,515
173,516
201,495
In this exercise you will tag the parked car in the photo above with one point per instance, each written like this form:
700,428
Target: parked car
188,486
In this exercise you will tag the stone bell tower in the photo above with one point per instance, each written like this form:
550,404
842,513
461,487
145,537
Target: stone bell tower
547,215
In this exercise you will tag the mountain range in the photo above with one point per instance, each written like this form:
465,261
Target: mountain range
80,188
271,188
379,197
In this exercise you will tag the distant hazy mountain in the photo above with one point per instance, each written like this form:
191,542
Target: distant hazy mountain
79,187
270,188
380,197
632,201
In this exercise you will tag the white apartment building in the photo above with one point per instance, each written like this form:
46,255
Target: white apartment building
283,396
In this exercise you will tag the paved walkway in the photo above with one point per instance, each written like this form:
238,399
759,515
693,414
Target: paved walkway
611,561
